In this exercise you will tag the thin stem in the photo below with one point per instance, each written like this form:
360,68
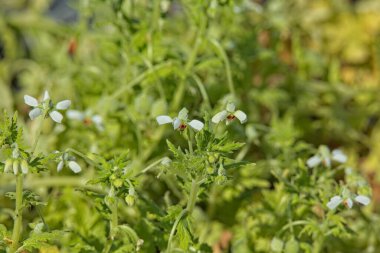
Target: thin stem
292,224
189,140
224,57
136,81
150,166
202,89
17,228
113,222
193,196
189,65
174,228
38,134
187,211
243,152
62,181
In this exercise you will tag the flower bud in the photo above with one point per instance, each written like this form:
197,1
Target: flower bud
130,199
211,159
221,171
24,166
8,165
118,182
166,161
220,179
139,243
15,166
210,169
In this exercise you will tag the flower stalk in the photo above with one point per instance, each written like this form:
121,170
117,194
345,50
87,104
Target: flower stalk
17,228
112,204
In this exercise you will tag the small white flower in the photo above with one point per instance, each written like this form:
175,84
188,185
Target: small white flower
87,117
46,106
166,161
325,156
229,114
181,121
346,199
66,159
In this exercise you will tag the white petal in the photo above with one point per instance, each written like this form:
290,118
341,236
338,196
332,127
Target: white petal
349,203
24,167
220,116
56,116
182,115
60,166
339,156
166,161
97,119
313,161
363,199
63,105
15,168
29,100
334,202
35,113
231,107
196,124
164,119
74,167
74,114
46,95
241,116
176,123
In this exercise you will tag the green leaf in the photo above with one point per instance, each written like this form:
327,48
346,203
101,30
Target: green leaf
37,240
177,152
184,235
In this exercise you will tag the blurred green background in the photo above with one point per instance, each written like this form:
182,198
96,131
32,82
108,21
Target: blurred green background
306,73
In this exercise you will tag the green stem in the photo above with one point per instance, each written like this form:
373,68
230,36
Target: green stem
192,197
190,140
224,57
61,181
135,81
17,228
38,134
174,228
202,90
113,222
189,65
243,152
150,166
187,211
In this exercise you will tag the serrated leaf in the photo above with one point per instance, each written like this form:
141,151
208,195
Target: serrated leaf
38,240
177,152
184,235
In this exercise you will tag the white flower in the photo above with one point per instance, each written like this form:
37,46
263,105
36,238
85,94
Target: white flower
69,161
46,106
347,201
325,156
229,114
87,117
181,121
166,161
